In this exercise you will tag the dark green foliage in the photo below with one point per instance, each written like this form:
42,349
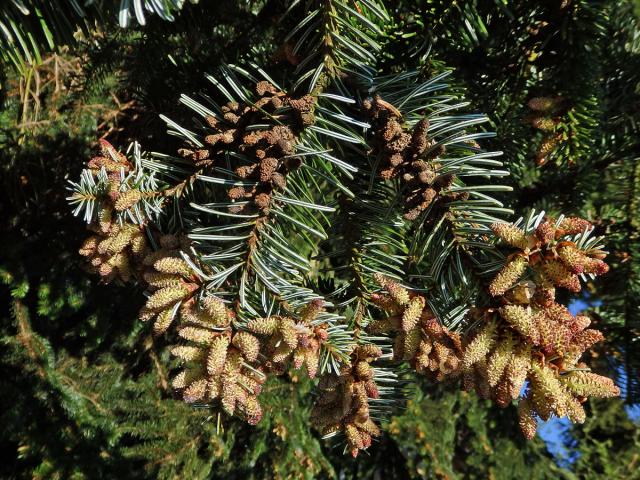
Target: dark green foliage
455,435
607,446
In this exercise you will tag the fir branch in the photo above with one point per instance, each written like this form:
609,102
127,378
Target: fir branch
336,36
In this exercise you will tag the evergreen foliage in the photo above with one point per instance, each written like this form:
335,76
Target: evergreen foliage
325,205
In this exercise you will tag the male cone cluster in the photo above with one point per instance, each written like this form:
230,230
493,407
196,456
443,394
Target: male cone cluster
219,364
343,401
229,365
407,154
264,155
531,338
523,338
549,252
170,281
420,340
526,339
287,340
116,247
224,362
121,250
546,114
120,195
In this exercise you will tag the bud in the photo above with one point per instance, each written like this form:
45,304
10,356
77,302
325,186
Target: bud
372,389
511,235
312,361
196,391
559,314
547,147
186,377
197,335
120,241
527,419
412,313
543,123
517,370
478,348
560,276
384,325
105,220
236,193
522,320
230,393
363,370
110,152
281,353
252,385
586,339
311,310
595,266
546,387
217,355
575,410
354,438
587,384
121,262
574,225
483,390
439,352
289,333
233,364
187,353
573,258
263,326
127,199
521,293
468,380
580,323
545,232
97,163
252,410
173,265
386,303
262,200
370,427
545,295
163,321
410,343
431,325
103,245
145,314
160,280
508,276
499,360
426,346
217,311
247,344
89,246
267,168
167,297
502,394
214,386
399,294
368,352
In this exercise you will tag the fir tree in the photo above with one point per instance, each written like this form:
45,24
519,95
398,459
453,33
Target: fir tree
327,207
